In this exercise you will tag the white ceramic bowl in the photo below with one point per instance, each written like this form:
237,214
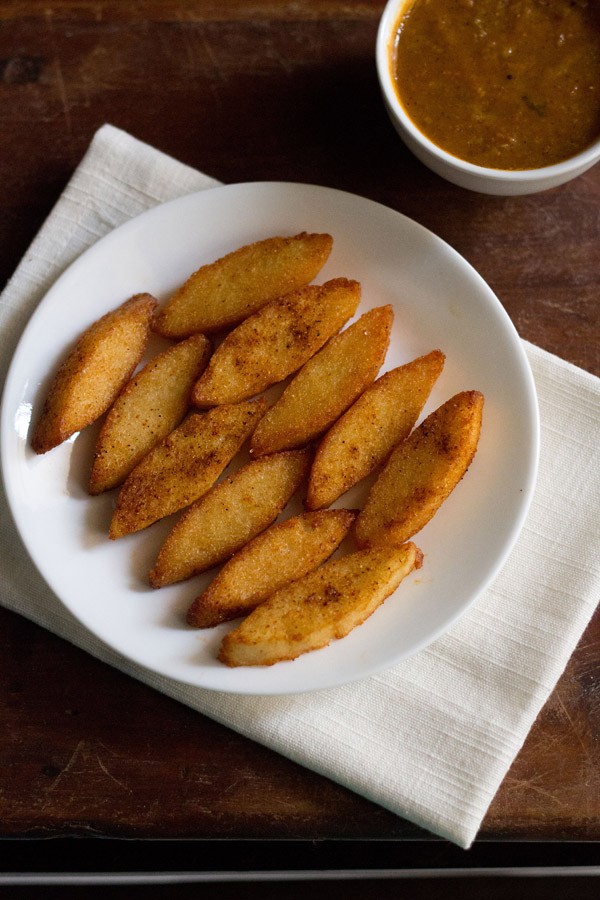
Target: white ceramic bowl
467,175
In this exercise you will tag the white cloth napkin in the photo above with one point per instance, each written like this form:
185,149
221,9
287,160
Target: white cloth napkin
432,738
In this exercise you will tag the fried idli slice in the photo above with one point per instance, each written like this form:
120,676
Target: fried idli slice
363,438
224,292
284,552
422,472
92,374
230,515
183,466
323,606
326,385
276,341
148,408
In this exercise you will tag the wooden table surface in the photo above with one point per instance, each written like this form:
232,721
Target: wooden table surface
259,91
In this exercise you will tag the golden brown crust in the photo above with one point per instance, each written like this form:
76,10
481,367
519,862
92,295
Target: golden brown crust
422,472
327,385
323,606
223,293
283,553
228,516
363,438
93,373
276,341
183,466
148,408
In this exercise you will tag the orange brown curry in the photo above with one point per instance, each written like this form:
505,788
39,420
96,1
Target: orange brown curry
507,84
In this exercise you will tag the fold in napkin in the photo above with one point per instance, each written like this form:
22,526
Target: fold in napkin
432,738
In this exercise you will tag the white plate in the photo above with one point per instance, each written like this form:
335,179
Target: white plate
439,301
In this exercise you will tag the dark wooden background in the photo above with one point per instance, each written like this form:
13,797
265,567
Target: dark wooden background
250,91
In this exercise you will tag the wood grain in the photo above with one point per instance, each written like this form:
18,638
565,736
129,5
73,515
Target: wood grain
250,91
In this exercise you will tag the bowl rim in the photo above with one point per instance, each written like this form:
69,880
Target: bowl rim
391,13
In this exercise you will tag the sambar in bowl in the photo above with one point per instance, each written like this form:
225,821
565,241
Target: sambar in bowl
501,96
